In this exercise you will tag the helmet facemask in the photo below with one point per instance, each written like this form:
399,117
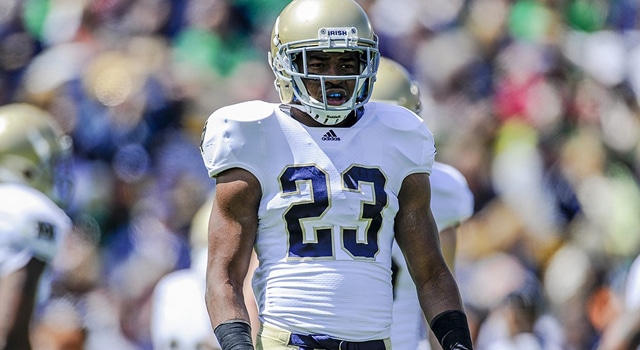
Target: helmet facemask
289,64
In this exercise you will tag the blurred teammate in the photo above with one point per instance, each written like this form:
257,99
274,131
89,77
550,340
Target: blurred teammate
32,226
451,204
321,185
179,317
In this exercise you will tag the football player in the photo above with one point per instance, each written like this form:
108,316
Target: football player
320,185
179,317
33,152
451,204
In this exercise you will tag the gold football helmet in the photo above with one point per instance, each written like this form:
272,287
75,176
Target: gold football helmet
328,26
34,151
395,85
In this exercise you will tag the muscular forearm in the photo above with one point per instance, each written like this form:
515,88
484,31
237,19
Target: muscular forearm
443,307
225,302
229,316
439,294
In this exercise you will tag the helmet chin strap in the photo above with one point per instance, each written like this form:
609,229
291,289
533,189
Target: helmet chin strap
323,117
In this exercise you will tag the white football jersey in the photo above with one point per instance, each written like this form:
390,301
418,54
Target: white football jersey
326,217
451,203
31,225
179,319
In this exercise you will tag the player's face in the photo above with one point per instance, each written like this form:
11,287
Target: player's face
336,64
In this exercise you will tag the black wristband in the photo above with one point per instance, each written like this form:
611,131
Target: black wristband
452,330
234,335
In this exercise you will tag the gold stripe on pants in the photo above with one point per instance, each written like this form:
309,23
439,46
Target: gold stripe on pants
271,337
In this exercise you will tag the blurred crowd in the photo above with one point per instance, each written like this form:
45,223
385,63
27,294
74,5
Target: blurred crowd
534,101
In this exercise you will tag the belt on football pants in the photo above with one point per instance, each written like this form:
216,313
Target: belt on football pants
269,332
320,341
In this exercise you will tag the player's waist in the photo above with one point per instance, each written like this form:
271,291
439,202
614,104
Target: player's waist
339,320
270,332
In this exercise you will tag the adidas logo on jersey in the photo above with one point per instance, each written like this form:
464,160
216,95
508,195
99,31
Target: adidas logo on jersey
330,136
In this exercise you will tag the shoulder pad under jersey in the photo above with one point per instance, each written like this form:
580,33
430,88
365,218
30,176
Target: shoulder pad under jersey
396,117
245,111
30,220
231,135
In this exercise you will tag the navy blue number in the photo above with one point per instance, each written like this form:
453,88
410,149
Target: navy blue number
353,180
322,245
318,205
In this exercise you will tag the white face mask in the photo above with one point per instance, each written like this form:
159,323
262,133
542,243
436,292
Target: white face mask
290,84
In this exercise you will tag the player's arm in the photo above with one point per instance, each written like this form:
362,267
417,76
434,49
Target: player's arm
418,238
17,297
232,232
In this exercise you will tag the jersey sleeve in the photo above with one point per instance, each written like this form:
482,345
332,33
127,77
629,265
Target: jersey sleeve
178,315
31,226
231,137
406,132
451,199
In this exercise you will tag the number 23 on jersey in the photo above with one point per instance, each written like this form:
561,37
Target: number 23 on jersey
311,210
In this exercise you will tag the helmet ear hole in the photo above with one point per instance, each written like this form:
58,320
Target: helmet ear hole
28,174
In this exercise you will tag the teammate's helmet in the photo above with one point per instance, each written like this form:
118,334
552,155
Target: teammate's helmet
33,150
329,26
395,85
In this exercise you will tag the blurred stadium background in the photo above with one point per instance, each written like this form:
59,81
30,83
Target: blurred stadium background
535,102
